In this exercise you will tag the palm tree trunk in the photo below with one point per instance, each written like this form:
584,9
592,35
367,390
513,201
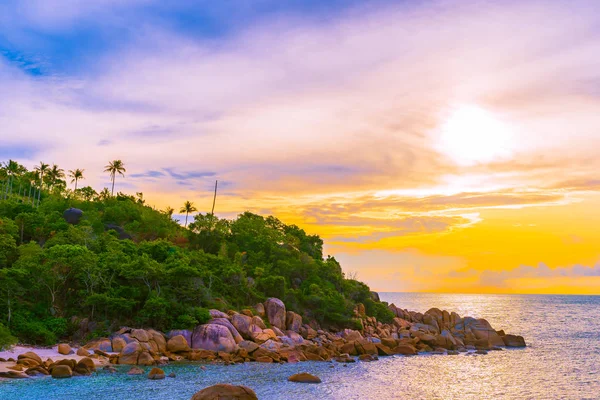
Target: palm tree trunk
186,215
112,192
75,184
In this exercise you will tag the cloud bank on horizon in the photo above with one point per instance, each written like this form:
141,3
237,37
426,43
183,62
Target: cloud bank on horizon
446,139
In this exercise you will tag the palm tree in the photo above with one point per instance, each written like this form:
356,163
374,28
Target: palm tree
187,208
104,194
42,169
55,174
169,211
113,168
76,175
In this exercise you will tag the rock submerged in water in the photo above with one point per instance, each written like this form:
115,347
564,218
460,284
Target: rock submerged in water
304,377
156,374
225,391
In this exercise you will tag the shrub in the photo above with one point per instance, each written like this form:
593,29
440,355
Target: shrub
6,339
379,311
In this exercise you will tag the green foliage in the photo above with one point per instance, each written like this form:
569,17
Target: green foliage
7,340
379,311
162,276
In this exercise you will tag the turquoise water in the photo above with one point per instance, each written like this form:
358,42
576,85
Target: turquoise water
561,362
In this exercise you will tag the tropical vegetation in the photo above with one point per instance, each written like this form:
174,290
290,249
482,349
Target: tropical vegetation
125,262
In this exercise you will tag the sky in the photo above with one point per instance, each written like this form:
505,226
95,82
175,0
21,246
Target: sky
441,146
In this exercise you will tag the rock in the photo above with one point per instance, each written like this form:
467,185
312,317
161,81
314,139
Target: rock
82,352
217,314
13,375
480,351
156,373
145,358
225,392
248,346
172,375
213,337
256,320
293,321
140,334
225,322
159,339
103,344
130,353
481,329
367,357
262,335
186,333
178,344
351,335
118,344
85,366
65,349
264,359
304,377
31,355
135,371
61,371
383,350
513,341
405,349
242,323
260,309
276,314
72,215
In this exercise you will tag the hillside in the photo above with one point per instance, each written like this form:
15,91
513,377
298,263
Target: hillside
122,262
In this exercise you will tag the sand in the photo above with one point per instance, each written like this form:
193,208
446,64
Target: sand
44,354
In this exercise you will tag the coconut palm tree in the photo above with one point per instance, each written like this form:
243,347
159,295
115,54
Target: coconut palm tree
76,175
113,168
55,174
187,208
42,169
169,211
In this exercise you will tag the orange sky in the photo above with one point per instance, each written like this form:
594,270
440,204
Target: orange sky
435,146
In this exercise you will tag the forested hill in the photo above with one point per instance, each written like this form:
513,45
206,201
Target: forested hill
124,263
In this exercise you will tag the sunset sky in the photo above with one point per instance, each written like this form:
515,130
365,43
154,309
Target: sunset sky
435,145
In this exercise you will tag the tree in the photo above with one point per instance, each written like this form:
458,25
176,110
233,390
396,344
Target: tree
188,207
113,168
76,175
55,175
42,169
169,211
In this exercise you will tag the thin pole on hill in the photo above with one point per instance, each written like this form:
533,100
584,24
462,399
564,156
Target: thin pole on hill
214,199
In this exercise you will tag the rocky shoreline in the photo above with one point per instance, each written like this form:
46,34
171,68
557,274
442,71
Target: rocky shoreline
269,333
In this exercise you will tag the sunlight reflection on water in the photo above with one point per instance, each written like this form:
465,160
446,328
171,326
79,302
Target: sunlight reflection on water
561,362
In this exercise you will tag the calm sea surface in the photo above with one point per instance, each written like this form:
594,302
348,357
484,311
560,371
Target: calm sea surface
561,362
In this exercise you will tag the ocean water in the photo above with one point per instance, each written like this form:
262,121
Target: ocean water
562,361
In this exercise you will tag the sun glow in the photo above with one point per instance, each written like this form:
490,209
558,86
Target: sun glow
472,135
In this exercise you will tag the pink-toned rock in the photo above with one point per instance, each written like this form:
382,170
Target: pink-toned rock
178,344
140,334
213,337
242,323
260,309
217,314
225,322
64,349
256,320
276,313
293,321
225,392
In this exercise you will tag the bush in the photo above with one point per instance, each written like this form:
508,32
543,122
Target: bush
272,286
379,311
185,321
202,315
6,339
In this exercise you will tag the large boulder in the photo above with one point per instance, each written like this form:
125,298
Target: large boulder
213,337
293,321
72,215
186,333
102,344
178,344
64,349
130,353
140,334
276,313
30,355
225,322
61,371
481,329
159,339
217,314
85,366
242,323
225,392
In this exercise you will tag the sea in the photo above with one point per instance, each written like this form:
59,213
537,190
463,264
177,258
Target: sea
561,361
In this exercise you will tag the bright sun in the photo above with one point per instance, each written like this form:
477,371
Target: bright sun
471,135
